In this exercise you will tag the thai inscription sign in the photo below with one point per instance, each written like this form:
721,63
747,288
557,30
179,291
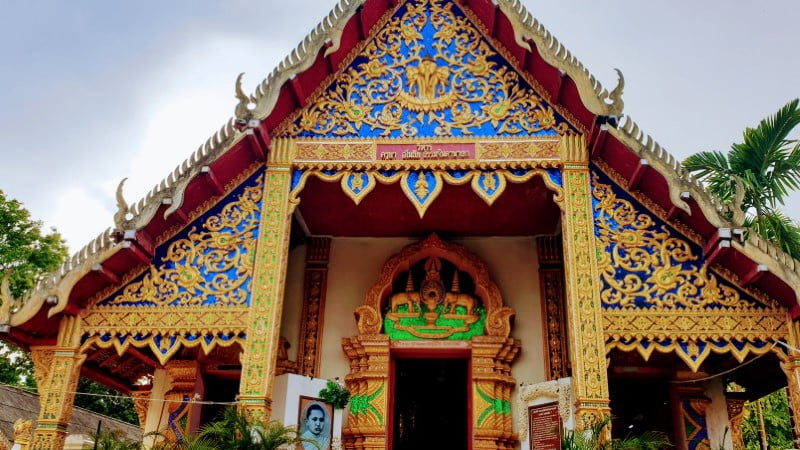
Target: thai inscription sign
434,151
372,151
544,427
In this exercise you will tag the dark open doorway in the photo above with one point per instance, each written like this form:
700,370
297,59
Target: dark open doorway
430,404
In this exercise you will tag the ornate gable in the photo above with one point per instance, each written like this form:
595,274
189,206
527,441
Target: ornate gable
659,291
428,72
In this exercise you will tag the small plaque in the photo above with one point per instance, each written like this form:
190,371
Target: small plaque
426,151
544,427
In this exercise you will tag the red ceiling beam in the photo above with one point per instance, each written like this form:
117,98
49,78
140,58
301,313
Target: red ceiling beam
718,244
297,90
599,141
105,274
674,210
753,275
106,380
212,180
638,174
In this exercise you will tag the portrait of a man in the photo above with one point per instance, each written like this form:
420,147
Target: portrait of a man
315,423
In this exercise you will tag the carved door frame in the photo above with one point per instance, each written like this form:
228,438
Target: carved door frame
490,355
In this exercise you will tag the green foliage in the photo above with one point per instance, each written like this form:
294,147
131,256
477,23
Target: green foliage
591,439
777,422
335,394
24,248
16,367
105,401
235,431
767,164
113,440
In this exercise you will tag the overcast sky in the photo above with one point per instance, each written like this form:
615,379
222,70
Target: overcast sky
94,91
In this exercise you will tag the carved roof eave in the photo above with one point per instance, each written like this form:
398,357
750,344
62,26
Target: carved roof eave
58,284
680,182
329,32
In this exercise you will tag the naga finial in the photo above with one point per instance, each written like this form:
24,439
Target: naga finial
738,198
6,298
122,206
242,110
615,96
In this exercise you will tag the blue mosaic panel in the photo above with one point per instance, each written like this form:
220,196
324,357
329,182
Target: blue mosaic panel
208,263
429,72
645,263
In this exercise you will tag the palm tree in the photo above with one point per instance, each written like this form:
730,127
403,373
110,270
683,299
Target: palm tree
591,439
767,167
236,431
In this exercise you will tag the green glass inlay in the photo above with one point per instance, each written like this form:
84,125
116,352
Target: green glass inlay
496,405
362,404
474,329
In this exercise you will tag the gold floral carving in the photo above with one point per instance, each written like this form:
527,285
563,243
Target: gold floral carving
164,320
736,417
653,260
57,394
584,309
316,282
498,321
42,358
551,281
368,382
141,401
492,384
692,352
518,150
22,433
196,269
402,87
183,374
791,368
163,346
261,347
739,323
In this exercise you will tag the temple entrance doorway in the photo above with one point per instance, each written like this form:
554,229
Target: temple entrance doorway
431,403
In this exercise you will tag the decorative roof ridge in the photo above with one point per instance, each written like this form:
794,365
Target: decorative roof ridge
171,189
683,184
55,286
328,32
596,99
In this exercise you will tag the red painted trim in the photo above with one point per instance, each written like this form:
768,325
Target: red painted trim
298,91
638,174
212,180
105,274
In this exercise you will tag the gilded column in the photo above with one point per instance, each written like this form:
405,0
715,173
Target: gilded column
266,303
368,382
316,283
690,405
58,368
736,416
492,384
584,313
551,282
791,367
182,412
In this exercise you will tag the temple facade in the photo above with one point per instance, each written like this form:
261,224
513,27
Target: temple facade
435,203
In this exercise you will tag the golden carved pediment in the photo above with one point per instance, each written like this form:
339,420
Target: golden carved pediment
434,290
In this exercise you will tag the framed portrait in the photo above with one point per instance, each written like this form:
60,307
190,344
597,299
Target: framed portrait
315,423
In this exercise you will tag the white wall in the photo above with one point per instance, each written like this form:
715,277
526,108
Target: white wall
717,415
356,263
